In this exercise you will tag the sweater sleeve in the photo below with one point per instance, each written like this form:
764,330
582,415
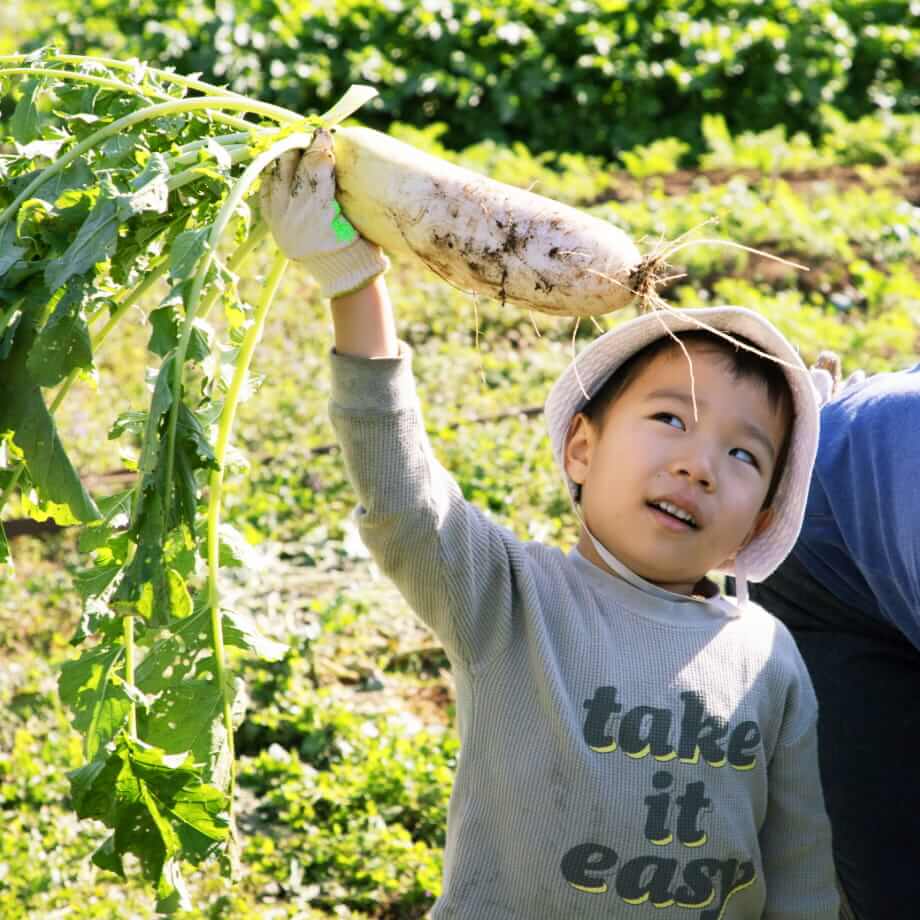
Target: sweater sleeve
452,564
795,838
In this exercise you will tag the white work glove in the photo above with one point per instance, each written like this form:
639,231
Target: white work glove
297,198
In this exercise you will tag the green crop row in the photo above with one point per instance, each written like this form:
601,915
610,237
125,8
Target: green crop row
880,139
597,76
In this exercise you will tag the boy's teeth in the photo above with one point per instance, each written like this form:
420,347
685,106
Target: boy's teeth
677,512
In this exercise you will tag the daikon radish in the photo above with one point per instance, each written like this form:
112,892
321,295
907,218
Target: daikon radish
480,235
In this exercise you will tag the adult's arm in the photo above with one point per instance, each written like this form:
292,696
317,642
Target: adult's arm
861,535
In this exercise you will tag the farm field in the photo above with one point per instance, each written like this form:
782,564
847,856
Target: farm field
346,743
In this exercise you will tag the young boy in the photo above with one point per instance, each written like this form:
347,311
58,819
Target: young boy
633,744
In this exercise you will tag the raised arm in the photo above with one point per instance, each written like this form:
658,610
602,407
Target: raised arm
364,322
449,561
298,201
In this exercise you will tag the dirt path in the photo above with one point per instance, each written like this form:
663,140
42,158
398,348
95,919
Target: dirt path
905,179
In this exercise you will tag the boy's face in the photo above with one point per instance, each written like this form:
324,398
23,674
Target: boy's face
670,495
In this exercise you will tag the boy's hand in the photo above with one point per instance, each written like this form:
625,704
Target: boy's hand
298,202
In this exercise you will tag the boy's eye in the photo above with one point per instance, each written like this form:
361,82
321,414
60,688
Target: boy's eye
745,456
669,418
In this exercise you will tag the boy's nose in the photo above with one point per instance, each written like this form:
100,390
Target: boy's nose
698,468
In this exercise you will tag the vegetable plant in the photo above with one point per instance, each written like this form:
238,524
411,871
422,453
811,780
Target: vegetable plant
635,72
116,180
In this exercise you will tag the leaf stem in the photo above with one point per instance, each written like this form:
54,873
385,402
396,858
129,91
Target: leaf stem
168,76
192,306
116,86
227,416
152,278
239,257
237,138
93,79
123,308
276,112
8,491
129,672
187,153
237,155
122,124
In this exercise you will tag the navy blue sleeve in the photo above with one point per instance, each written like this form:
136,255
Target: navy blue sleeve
861,536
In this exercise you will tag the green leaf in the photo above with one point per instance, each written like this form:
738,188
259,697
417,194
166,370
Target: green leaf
116,149
25,123
99,620
186,714
47,511
35,222
133,421
5,557
95,242
150,190
93,581
159,809
188,247
75,176
10,253
99,705
172,894
92,788
203,810
241,632
159,405
116,508
11,320
144,589
193,452
64,344
235,549
72,207
24,414
107,857
164,338
165,335
105,536
180,601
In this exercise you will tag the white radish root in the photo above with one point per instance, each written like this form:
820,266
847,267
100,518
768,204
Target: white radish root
483,236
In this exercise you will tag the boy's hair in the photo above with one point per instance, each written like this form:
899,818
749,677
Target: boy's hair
743,365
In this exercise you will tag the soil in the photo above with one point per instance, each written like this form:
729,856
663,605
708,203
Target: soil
824,275
905,179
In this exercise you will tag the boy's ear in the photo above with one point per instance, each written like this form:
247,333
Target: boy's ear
579,445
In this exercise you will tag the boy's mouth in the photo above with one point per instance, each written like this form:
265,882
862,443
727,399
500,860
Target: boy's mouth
675,511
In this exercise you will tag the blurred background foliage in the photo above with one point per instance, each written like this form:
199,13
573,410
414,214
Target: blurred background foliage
589,76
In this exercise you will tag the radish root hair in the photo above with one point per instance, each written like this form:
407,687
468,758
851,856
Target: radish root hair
651,274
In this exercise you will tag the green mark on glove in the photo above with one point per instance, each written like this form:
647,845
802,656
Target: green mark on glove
341,226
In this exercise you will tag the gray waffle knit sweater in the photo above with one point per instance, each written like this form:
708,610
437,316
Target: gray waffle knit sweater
625,752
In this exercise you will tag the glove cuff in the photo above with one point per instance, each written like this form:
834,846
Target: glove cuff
343,271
